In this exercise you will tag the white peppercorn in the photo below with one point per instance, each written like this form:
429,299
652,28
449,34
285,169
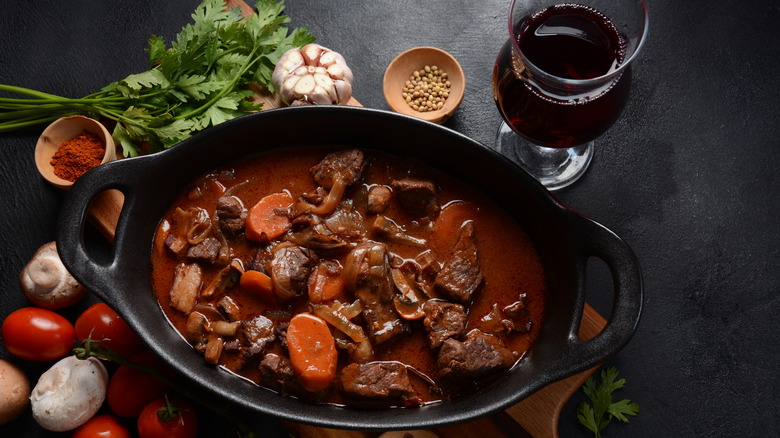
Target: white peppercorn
427,89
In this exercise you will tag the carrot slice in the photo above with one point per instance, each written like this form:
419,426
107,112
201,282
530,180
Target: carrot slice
257,283
268,220
312,351
325,286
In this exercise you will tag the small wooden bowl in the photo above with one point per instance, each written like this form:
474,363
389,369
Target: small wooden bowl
64,129
402,67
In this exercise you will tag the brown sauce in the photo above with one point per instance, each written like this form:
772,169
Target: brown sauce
508,261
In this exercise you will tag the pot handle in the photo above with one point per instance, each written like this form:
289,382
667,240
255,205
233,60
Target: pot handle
120,175
595,240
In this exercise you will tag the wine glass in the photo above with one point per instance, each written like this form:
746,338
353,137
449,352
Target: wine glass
562,79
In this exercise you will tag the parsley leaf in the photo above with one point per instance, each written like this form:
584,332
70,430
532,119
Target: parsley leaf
201,80
597,416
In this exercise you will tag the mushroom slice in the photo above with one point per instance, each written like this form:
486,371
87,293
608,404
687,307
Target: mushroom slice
390,231
409,304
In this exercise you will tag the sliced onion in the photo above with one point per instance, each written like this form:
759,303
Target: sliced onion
199,227
340,322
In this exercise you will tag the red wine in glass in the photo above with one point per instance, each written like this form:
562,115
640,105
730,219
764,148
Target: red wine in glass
562,79
571,42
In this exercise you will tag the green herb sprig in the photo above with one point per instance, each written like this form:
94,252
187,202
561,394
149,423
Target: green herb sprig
596,417
200,81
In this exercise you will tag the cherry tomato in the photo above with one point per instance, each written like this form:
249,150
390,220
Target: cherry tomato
37,335
129,391
102,426
182,424
101,322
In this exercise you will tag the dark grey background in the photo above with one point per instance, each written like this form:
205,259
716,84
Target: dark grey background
687,176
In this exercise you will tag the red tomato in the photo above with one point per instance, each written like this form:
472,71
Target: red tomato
37,335
129,391
184,423
102,426
101,322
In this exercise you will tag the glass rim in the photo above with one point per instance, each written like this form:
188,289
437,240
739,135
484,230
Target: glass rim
580,82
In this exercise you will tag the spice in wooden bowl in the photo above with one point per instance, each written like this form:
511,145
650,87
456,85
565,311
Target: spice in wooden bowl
404,67
71,146
77,155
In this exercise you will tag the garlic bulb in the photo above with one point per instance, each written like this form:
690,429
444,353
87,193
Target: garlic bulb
313,75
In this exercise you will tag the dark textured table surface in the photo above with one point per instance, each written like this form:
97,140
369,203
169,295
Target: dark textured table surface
686,176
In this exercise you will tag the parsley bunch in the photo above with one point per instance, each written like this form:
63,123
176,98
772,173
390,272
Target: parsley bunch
200,81
595,418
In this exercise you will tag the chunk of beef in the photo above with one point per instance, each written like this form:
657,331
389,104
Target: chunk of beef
280,331
231,214
418,197
378,199
228,307
518,306
276,372
176,244
376,380
256,334
514,318
520,321
349,164
461,276
428,264
518,316
443,320
478,356
290,267
367,272
186,287
494,323
204,252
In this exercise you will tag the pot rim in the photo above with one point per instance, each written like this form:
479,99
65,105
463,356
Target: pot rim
133,177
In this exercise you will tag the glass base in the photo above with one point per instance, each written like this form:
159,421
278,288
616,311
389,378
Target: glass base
555,168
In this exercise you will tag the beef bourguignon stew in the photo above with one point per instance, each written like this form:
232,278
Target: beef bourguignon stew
349,277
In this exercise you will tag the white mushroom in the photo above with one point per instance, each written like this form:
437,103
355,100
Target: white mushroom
46,282
14,390
69,393
313,75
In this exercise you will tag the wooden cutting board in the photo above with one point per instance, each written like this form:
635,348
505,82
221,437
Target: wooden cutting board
536,416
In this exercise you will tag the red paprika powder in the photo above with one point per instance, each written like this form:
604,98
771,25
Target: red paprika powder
77,155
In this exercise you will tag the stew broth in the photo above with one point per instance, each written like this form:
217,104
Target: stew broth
503,303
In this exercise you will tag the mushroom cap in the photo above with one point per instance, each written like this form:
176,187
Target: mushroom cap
46,283
69,393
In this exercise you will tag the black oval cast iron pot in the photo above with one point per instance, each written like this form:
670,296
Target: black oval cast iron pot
564,239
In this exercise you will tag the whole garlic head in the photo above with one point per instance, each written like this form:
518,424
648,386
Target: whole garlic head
313,75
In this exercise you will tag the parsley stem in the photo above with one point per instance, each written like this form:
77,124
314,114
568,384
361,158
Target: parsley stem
9,126
27,91
60,100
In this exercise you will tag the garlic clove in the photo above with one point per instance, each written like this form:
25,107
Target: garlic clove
343,91
305,85
311,53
